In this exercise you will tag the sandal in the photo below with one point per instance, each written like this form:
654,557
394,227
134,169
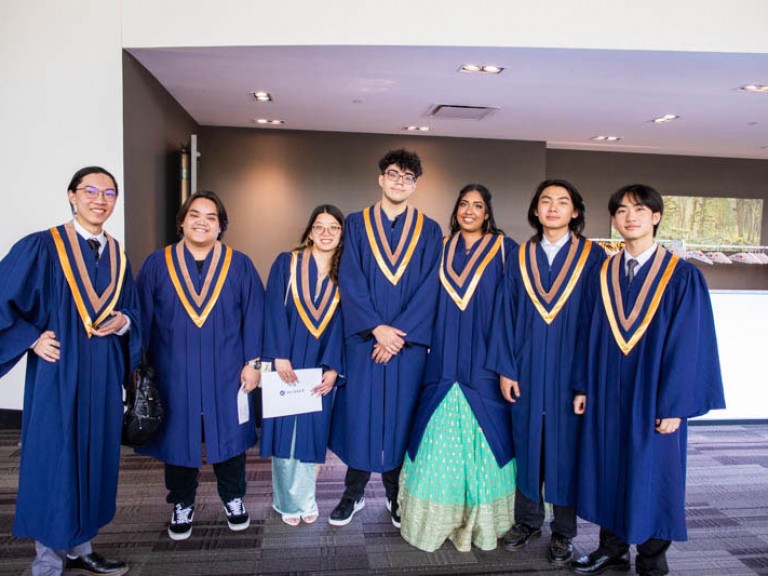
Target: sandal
310,518
292,520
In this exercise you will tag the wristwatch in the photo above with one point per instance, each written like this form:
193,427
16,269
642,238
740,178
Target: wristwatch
254,364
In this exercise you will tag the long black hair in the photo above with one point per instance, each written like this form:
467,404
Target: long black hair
489,224
576,225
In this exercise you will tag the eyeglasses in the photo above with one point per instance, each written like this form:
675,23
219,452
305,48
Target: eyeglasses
394,176
92,192
333,229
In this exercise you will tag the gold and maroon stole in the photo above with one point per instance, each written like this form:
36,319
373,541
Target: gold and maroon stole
628,330
89,304
393,263
198,304
315,318
456,284
550,302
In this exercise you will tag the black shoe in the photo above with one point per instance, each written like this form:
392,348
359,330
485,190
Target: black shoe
180,527
94,564
597,563
560,550
345,509
518,536
237,516
394,511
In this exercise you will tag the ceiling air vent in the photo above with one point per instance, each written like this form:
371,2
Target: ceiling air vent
457,112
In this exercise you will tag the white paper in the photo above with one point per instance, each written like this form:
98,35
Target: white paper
281,399
243,408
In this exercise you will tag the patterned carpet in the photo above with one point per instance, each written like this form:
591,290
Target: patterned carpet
727,519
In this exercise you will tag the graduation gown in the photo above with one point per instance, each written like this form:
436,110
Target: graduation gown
465,321
388,275
539,312
305,328
199,330
71,424
651,353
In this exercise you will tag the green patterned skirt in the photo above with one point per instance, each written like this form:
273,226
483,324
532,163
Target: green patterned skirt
454,489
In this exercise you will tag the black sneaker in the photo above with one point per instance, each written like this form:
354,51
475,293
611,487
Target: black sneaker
560,550
346,508
394,511
93,564
180,527
518,536
237,516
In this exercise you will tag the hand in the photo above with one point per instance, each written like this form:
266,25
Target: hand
47,347
380,354
667,425
113,324
284,369
325,387
580,404
508,386
389,338
249,378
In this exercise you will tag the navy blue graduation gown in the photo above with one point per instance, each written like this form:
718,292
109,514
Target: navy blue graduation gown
70,449
459,348
198,368
631,478
373,412
539,356
287,336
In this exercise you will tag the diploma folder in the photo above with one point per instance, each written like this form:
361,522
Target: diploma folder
281,399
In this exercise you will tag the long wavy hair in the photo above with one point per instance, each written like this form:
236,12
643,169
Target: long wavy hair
306,241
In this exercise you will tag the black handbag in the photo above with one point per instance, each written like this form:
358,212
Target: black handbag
144,410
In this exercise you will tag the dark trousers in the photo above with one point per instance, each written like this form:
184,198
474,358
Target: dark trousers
651,555
356,480
532,513
181,481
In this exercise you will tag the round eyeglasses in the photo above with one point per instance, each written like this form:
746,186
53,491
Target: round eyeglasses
333,229
394,176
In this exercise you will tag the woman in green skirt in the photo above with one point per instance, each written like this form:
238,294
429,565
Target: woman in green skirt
458,480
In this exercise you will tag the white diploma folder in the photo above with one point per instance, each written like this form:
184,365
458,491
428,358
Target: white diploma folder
281,399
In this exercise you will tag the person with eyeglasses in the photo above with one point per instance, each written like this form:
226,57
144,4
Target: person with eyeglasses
202,310
389,286
68,302
303,330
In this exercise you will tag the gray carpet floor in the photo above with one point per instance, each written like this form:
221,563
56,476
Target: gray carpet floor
727,520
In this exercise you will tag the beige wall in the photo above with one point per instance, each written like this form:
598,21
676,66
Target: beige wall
155,129
271,180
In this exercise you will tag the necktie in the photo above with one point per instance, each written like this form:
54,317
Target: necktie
95,245
631,265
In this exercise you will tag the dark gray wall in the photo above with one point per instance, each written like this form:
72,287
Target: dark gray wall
155,128
270,180
599,174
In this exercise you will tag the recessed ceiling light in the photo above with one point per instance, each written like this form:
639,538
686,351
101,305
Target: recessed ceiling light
755,88
417,128
606,138
484,69
262,96
267,121
664,119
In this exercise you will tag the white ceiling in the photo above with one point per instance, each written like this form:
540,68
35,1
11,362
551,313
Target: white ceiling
560,96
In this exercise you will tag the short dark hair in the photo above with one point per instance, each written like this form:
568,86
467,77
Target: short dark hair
338,215
575,225
206,195
405,159
78,176
639,194
489,225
